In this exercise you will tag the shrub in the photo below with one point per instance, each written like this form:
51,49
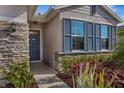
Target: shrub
67,61
89,78
119,49
19,75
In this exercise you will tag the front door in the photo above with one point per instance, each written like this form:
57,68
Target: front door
34,45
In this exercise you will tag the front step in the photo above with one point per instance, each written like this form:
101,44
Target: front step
49,81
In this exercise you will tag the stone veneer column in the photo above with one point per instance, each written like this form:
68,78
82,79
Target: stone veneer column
14,46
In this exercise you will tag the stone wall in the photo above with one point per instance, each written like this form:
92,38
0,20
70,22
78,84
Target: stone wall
60,55
14,46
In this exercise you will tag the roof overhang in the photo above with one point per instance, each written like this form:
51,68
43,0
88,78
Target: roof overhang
121,24
31,10
45,17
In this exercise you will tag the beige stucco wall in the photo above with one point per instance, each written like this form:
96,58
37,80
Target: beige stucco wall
52,40
17,13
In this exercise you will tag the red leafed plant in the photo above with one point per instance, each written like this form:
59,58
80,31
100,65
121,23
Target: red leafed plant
110,71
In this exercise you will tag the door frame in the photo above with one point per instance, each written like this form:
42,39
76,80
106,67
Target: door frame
41,44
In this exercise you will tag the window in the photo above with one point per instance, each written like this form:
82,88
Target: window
90,36
104,43
78,43
93,9
113,37
104,37
104,31
73,35
98,37
77,30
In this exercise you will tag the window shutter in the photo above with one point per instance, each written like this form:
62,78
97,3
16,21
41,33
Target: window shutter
90,32
113,33
97,37
67,35
110,37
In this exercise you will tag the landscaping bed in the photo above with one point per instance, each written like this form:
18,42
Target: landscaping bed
10,85
18,76
111,71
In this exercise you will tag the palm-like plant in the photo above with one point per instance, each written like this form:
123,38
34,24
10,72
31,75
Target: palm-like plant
89,78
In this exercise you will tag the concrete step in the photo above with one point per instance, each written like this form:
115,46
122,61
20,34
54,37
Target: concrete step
49,81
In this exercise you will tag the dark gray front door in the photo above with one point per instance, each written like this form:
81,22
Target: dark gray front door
34,45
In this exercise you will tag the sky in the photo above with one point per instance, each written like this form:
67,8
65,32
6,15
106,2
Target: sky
118,9
42,9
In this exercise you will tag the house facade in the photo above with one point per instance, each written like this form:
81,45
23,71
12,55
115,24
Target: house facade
62,29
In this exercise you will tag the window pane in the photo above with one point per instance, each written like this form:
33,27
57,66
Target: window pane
67,44
113,31
90,29
78,43
77,27
105,43
90,43
97,30
67,26
113,43
97,44
104,31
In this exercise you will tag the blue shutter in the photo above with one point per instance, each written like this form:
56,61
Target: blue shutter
67,35
113,37
97,37
90,36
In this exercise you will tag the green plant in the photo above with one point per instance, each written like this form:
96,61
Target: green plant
67,61
89,78
119,49
19,75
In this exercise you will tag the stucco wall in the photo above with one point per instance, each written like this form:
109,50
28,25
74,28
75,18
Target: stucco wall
17,13
52,40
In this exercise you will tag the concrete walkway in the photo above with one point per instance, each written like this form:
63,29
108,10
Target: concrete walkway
45,76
